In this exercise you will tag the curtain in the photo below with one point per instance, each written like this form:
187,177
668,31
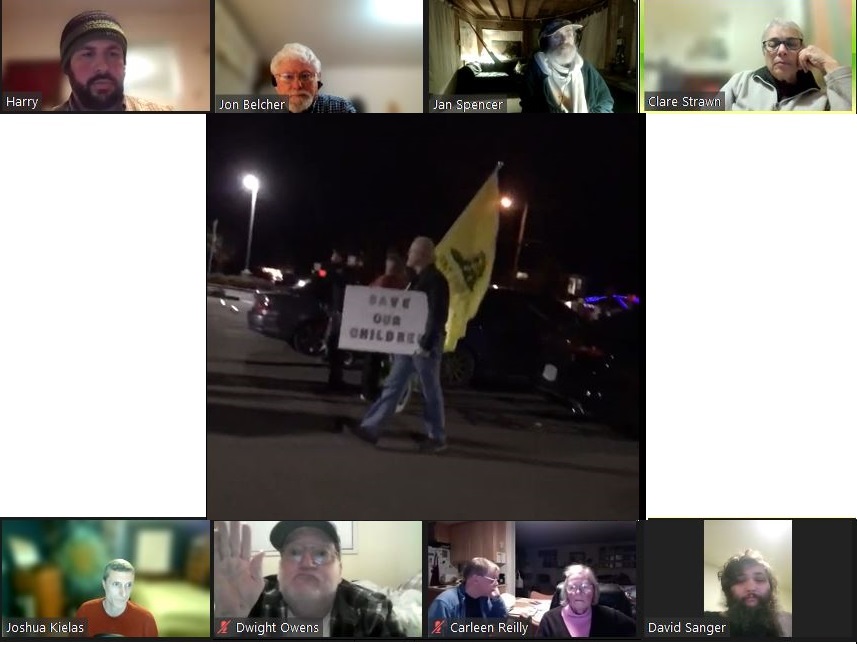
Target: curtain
443,47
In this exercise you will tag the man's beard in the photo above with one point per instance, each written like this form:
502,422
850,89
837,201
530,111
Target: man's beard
300,103
316,605
562,55
94,101
760,620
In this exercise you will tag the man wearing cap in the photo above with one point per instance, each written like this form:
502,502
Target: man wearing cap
93,50
308,585
296,73
557,79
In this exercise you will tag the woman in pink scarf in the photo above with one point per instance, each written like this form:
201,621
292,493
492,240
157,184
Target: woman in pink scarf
579,614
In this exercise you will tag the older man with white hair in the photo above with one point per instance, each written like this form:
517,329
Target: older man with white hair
296,73
426,362
786,82
557,79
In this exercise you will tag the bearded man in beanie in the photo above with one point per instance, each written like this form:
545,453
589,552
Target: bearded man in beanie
557,79
93,50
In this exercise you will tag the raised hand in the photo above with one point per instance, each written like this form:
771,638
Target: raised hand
238,580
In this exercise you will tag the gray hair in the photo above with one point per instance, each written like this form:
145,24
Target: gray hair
427,246
117,565
573,570
782,22
295,51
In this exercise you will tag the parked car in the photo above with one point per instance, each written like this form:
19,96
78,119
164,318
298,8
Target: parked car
611,390
296,315
511,337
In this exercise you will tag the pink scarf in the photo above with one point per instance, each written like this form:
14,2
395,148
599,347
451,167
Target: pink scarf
578,625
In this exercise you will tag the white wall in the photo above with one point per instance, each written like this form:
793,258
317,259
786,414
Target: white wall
35,36
379,87
388,553
235,60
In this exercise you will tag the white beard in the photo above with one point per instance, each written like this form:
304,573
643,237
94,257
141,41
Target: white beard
562,55
299,103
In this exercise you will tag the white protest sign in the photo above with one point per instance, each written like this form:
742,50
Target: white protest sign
390,321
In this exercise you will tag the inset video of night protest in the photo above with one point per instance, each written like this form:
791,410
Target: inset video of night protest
408,321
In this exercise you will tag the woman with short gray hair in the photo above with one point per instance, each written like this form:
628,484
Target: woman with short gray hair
579,614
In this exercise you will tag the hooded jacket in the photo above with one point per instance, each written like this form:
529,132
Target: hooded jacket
759,90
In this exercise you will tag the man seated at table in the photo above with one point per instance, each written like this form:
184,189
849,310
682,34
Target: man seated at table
476,597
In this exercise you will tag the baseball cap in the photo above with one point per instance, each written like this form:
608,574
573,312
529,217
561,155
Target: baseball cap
282,530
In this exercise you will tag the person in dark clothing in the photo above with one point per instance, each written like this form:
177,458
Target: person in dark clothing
340,276
426,362
395,277
579,614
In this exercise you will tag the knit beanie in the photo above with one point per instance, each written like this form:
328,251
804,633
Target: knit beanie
86,26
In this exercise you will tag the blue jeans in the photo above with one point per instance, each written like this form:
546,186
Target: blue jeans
428,369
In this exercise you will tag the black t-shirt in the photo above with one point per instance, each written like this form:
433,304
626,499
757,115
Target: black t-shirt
472,607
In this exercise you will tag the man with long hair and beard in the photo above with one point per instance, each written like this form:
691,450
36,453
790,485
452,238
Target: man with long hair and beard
93,50
750,588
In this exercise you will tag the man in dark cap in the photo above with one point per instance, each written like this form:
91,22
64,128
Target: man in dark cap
308,586
557,79
93,50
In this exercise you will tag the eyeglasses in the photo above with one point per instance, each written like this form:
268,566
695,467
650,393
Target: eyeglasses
303,77
491,580
318,555
584,587
792,44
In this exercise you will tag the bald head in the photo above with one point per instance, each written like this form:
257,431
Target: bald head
421,253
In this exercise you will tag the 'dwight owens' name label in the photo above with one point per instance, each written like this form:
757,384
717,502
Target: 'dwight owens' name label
389,321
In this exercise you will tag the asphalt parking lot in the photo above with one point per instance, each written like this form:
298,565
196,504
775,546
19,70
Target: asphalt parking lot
273,447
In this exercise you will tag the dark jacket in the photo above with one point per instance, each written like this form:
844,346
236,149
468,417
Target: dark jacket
605,622
452,605
357,612
340,276
537,97
433,283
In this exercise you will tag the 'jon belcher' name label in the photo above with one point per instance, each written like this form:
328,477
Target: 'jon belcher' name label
242,103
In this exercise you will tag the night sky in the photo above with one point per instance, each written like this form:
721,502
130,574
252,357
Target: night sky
370,182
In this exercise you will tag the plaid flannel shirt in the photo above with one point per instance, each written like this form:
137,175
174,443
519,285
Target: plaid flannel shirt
356,611
326,103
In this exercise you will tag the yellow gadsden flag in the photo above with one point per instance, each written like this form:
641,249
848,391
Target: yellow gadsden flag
466,257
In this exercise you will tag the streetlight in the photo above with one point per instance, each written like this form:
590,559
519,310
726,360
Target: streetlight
251,183
506,202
